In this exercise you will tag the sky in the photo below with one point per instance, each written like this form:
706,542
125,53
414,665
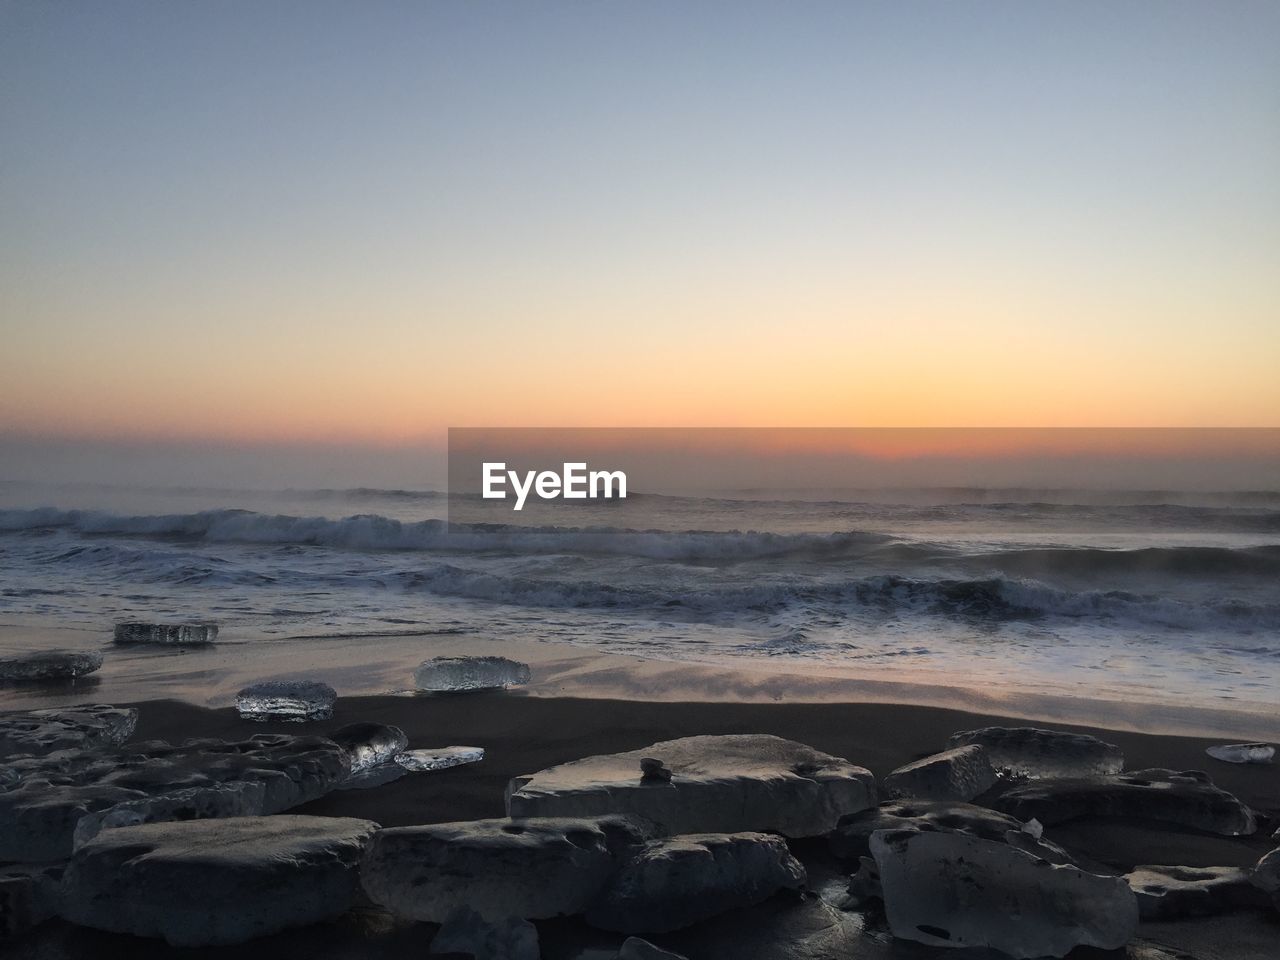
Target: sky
313,223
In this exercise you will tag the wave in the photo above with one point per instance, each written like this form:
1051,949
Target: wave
1180,561
990,599
372,532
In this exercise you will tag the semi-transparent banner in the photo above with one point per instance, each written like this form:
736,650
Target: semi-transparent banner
651,478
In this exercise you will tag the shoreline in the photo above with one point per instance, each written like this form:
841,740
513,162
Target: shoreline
523,734
381,664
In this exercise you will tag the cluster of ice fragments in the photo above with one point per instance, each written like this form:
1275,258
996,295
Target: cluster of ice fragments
40,732
684,838
302,700
380,754
69,796
951,874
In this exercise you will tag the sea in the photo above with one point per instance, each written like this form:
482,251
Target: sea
1130,595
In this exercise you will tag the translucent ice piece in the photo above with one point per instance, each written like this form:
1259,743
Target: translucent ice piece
292,700
374,776
50,665
175,633
1243,752
370,744
438,758
445,674
1052,754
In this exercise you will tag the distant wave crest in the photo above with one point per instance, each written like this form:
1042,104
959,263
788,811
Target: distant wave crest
372,532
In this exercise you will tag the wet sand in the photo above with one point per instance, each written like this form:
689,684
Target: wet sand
382,664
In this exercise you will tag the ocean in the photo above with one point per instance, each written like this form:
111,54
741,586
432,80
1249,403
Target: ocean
1136,596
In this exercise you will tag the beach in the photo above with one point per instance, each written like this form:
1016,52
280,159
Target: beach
523,730
855,634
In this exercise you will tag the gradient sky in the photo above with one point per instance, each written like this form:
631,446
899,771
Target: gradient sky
369,221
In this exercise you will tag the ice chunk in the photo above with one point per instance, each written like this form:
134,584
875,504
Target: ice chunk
681,881
40,813
292,700
410,761
1243,753
170,633
371,777
531,868
29,895
370,744
50,665
851,838
239,798
1187,798
719,784
465,932
438,758
65,728
1171,892
458,674
206,882
1266,876
960,773
958,890
1033,752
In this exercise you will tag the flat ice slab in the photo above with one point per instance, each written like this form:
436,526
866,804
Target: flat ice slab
1187,798
462,674
50,665
958,890
407,762
166,633
204,882
718,784
1034,752
438,758
292,700
1243,752
530,869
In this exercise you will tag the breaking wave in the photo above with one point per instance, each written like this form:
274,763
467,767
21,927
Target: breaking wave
372,532
995,599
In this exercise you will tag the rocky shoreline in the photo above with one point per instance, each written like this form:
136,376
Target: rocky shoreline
699,830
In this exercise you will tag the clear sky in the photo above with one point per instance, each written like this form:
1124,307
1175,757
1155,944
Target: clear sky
368,221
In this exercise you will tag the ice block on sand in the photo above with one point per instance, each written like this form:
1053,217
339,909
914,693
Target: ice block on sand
292,700
166,633
457,674
438,758
50,665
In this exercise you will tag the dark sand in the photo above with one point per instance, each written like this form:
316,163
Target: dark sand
521,734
